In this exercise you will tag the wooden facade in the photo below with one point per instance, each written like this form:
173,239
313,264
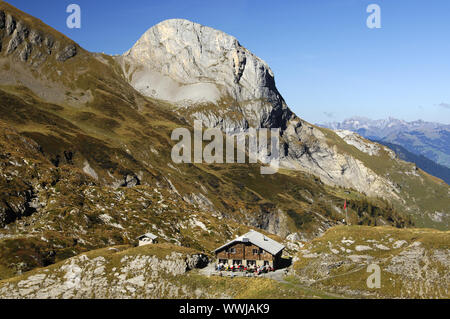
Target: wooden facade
246,254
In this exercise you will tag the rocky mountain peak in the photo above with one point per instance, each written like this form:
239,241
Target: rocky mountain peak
198,64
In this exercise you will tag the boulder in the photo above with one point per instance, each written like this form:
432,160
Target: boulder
68,52
196,261
10,24
35,37
131,181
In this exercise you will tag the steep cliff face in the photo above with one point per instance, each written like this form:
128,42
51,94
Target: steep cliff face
190,64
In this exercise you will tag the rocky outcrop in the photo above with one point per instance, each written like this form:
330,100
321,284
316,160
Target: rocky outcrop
49,42
23,39
357,141
10,23
19,35
26,51
130,181
196,261
35,37
68,52
130,276
18,205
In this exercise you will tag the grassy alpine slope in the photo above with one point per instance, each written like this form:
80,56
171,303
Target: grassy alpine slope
414,263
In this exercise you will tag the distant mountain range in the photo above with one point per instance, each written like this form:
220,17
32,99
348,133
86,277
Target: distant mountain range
412,141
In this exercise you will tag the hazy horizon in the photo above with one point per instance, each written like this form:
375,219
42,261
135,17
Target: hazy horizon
390,118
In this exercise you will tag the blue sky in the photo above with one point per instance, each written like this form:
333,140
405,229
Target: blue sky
328,65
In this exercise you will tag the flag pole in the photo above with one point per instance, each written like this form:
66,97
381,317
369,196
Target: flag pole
346,212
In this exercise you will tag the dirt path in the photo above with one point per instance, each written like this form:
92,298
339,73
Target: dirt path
344,274
314,291
279,277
